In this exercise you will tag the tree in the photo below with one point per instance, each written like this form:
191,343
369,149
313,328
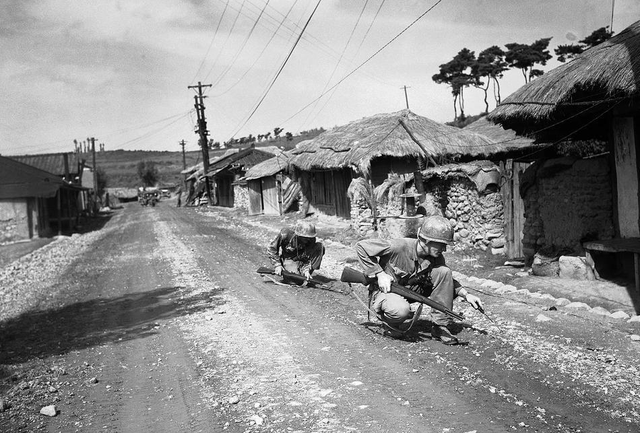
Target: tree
277,132
102,180
148,172
525,57
458,74
568,52
490,65
289,136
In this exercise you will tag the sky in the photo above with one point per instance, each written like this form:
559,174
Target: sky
120,70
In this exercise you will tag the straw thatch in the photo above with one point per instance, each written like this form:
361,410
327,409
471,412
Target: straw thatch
500,135
400,134
597,79
269,167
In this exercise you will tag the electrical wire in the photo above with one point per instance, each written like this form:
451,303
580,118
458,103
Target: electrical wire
239,50
280,70
211,43
366,61
224,45
335,68
264,49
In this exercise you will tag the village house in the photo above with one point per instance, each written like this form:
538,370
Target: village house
586,204
34,202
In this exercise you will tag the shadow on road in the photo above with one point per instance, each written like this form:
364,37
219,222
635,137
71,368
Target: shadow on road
95,322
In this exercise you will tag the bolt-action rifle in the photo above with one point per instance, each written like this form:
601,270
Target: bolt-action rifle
350,275
295,278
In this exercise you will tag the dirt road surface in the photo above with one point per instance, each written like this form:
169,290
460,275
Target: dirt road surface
158,322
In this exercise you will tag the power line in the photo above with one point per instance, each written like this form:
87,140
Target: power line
211,43
366,61
281,68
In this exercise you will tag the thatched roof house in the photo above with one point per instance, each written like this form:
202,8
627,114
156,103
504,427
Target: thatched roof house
577,96
506,138
401,134
269,167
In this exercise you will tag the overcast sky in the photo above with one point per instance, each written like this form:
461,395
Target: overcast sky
119,70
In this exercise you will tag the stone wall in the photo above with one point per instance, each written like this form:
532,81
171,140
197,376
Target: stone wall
567,201
241,196
477,218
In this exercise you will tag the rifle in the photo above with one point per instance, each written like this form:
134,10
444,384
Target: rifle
296,278
350,275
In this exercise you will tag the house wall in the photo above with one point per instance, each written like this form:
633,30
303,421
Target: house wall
566,202
17,220
624,144
478,219
240,197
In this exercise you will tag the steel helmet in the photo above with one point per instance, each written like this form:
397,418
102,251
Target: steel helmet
437,229
305,229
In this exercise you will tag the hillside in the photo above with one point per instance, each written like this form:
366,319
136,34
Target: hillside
120,165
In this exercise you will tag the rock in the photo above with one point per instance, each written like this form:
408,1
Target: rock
601,311
578,306
93,380
49,410
4,405
635,337
234,400
498,242
545,266
542,318
256,419
574,268
633,319
561,302
620,315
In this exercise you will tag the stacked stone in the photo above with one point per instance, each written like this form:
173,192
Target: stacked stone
478,220
240,197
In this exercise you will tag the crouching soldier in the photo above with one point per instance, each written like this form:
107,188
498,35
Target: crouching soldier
296,250
400,259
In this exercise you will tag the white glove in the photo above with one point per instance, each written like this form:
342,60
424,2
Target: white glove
307,274
384,281
278,270
474,301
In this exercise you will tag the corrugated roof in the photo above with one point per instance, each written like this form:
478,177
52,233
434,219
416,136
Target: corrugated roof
22,180
51,162
269,167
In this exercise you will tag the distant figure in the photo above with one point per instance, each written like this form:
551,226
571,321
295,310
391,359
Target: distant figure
179,196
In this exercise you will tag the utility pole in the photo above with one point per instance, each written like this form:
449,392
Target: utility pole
203,132
406,98
184,160
95,176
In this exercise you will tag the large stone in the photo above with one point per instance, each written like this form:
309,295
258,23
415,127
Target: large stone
545,267
574,268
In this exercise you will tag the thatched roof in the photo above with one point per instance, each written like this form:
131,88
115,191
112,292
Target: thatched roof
500,135
400,134
589,85
269,167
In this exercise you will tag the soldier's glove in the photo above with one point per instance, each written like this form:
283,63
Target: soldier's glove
278,270
384,281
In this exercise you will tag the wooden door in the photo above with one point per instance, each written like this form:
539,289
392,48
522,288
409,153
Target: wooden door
255,196
270,196
513,207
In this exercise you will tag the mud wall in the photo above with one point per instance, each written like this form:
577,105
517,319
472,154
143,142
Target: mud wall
477,218
567,201
14,220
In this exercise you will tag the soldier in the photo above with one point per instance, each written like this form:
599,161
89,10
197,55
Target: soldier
296,250
399,259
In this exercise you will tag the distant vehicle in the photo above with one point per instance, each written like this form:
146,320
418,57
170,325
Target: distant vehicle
148,198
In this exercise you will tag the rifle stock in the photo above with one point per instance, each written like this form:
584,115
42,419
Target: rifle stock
350,275
296,278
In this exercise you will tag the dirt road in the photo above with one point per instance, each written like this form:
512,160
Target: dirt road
159,323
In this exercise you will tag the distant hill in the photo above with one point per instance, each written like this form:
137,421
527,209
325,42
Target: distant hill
120,165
